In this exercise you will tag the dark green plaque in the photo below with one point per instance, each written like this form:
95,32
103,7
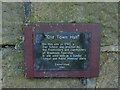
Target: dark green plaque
61,50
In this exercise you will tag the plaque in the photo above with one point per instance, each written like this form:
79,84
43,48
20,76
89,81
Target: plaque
62,50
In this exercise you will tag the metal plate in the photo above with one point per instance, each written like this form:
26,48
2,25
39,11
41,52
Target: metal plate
61,50
43,36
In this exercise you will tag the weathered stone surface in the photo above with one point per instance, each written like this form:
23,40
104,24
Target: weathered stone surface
103,13
108,77
0,69
0,44
13,74
13,59
12,22
91,83
0,23
110,49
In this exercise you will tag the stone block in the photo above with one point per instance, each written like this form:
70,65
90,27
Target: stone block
108,77
104,13
13,74
12,22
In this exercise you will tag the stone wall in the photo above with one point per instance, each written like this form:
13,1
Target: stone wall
12,45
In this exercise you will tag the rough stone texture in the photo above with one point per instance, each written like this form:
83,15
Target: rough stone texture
0,43
12,22
13,69
0,23
110,49
91,83
0,69
13,58
108,77
104,13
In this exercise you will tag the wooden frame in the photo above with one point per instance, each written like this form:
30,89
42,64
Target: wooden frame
92,71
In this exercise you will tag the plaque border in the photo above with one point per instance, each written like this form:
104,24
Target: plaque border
93,69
